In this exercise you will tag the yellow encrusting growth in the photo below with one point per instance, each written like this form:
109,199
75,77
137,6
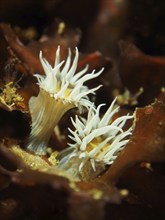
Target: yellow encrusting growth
127,98
124,192
52,158
9,96
61,28
33,161
96,194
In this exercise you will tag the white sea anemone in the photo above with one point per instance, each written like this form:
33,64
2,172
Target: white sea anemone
61,89
96,140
